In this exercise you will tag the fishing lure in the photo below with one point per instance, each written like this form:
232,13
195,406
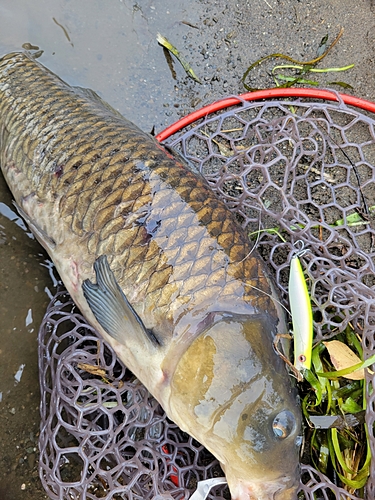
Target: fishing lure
204,487
202,491
300,306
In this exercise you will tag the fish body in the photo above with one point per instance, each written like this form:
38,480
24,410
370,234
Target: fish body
159,265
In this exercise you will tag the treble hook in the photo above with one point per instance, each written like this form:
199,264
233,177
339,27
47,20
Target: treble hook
300,252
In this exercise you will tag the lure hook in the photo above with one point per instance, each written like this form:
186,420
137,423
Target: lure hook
300,252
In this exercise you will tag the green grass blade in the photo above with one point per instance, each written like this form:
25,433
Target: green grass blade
167,45
350,369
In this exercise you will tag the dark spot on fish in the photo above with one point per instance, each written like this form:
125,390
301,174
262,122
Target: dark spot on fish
141,221
153,226
150,226
163,175
114,151
146,237
154,339
59,169
244,416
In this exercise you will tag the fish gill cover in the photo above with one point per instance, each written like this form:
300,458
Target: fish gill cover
291,171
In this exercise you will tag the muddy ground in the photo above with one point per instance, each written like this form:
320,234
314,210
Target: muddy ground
111,47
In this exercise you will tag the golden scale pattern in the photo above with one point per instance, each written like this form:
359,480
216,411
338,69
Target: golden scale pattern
104,170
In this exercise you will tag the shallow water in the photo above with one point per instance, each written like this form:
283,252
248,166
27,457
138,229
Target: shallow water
111,47
108,46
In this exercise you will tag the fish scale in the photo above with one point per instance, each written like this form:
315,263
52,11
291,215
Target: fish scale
180,293
86,179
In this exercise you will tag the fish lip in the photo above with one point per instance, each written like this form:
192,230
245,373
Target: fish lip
283,488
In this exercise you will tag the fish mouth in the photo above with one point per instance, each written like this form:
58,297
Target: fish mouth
282,489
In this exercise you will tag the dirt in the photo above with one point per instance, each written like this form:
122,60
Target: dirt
111,47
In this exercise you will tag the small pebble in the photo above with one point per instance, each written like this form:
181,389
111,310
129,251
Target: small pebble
31,460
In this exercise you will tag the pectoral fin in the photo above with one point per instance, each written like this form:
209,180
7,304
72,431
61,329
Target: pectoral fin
111,308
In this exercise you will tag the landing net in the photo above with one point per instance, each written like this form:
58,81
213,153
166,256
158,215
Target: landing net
300,169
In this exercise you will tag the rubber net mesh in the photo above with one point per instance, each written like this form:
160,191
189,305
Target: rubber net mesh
300,169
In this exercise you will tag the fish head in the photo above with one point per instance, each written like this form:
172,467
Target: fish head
232,392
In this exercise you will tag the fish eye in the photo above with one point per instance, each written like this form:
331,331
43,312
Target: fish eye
283,424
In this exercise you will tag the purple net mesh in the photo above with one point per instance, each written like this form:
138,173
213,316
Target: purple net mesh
303,170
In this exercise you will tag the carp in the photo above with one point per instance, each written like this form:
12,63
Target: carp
160,267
